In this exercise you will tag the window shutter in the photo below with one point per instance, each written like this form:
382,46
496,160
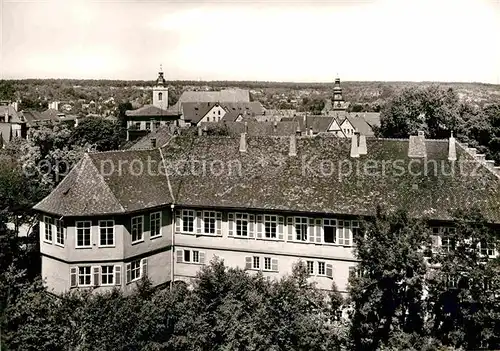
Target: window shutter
319,227
128,273
42,230
274,264
178,217
97,274
310,231
281,224
251,226
202,257
218,223
289,222
73,277
248,262
259,226
230,224
118,275
144,267
179,256
329,270
199,216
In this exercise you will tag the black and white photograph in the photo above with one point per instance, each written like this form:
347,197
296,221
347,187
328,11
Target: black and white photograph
281,175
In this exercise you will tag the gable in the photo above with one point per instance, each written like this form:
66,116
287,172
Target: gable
334,126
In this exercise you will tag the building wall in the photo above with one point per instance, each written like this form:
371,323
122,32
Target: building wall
56,274
163,103
215,114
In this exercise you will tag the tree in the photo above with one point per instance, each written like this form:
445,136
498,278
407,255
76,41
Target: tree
464,285
432,109
103,134
386,289
7,90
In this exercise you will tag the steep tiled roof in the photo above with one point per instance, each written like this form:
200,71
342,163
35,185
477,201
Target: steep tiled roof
195,111
372,118
162,135
360,125
153,111
266,177
254,128
319,124
227,95
15,117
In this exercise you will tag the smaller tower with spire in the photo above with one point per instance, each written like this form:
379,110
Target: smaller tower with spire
338,103
160,91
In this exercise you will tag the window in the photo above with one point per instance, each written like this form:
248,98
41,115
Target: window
267,263
256,262
188,221
155,224
219,112
48,229
270,225
486,249
148,125
301,228
83,234
135,270
59,232
156,124
344,233
310,267
106,233
84,276
160,96
209,220
196,256
321,268
137,229
330,230
187,256
241,224
138,125
107,275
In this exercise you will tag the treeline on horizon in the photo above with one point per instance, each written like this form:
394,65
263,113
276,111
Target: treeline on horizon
227,83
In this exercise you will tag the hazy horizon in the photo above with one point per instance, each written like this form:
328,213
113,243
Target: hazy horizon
445,41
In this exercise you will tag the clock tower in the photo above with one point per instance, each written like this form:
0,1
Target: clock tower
160,92
338,103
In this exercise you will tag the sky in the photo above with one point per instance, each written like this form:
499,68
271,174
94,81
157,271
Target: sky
313,41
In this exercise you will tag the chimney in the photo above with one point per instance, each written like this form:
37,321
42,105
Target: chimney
452,151
275,126
153,143
354,146
243,142
246,127
416,146
200,131
6,115
311,131
293,145
205,130
362,145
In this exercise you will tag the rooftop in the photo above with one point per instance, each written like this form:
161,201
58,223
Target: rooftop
322,178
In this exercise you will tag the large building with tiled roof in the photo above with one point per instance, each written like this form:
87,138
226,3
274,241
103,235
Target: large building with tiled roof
259,202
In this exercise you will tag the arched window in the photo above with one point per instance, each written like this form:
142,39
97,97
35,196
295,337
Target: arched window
160,96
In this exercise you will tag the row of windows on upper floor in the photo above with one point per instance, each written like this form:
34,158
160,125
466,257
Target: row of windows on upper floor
54,231
268,227
240,225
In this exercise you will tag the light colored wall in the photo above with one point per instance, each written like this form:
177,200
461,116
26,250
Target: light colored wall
285,263
163,103
56,275
214,112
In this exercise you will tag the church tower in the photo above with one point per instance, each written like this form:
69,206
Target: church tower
338,103
160,92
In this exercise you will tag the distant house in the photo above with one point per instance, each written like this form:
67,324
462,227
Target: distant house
225,95
150,117
194,113
12,123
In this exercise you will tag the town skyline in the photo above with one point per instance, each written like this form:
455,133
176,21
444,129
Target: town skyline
245,41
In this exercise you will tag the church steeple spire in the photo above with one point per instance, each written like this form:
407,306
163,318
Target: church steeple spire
338,102
160,81
160,91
